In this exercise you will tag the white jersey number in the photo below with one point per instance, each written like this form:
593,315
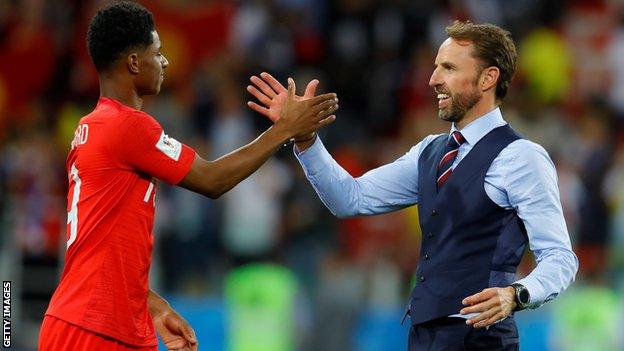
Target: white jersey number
72,216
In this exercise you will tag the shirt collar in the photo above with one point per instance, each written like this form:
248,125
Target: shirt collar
481,126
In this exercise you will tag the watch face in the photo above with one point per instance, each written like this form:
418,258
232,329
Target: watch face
524,296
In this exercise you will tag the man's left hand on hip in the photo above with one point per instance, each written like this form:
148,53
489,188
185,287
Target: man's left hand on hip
492,304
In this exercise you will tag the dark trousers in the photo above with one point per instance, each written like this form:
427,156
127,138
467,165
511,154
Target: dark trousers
452,334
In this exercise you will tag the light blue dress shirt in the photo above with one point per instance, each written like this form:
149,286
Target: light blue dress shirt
522,177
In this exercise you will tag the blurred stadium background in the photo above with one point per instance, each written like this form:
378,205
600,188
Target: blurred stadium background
267,267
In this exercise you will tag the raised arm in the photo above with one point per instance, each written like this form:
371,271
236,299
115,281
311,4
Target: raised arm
381,190
214,178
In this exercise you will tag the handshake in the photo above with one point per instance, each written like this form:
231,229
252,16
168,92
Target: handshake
298,116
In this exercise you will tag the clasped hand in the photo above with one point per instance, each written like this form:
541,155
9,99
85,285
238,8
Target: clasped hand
279,103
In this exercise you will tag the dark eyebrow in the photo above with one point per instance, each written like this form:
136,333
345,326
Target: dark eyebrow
447,65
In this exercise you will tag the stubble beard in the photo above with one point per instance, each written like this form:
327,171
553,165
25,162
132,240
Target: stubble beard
460,104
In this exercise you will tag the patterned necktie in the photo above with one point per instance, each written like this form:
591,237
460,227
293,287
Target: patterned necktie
444,167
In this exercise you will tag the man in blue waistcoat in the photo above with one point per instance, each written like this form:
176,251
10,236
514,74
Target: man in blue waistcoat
483,192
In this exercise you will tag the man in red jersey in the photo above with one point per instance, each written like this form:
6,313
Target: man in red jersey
103,301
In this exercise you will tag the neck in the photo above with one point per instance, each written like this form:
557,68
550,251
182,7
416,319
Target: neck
485,105
121,89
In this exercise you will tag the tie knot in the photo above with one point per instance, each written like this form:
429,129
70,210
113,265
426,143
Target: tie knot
456,139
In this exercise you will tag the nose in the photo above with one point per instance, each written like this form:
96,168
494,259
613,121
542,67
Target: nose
435,79
165,62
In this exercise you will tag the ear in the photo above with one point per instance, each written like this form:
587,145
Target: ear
489,77
132,61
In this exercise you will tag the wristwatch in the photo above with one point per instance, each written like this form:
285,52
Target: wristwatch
522,296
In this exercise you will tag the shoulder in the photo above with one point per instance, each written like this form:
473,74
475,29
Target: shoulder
133,128
136,117
525,151
525,159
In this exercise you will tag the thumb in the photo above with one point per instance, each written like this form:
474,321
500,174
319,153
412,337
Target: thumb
291,88
311,89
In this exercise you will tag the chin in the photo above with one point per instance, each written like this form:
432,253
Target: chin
445,115
155,90
148,92
449,117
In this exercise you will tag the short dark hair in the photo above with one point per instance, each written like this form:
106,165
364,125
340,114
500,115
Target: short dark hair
493,46
115,28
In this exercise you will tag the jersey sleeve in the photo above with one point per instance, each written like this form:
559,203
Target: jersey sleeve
143,145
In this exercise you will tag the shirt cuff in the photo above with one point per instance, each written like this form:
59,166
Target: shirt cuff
310,158
315,146
537,295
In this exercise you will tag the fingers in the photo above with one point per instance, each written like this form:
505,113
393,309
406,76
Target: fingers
327,112
478,321
264,87
486,322
259,95
479,297
291,88
311,89
480,307
260,109
192,340
491,306
326,121
179,344
317,110
321,98
274,83
189,334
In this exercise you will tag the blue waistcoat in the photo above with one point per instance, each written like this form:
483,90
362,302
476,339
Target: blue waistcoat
469,243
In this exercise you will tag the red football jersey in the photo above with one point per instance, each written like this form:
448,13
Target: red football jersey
115,156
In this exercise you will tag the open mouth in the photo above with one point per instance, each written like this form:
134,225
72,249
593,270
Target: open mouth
443,100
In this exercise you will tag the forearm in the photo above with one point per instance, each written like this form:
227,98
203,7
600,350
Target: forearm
156,304
555,271
214,178
232,168
336,188
381,190
338,191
